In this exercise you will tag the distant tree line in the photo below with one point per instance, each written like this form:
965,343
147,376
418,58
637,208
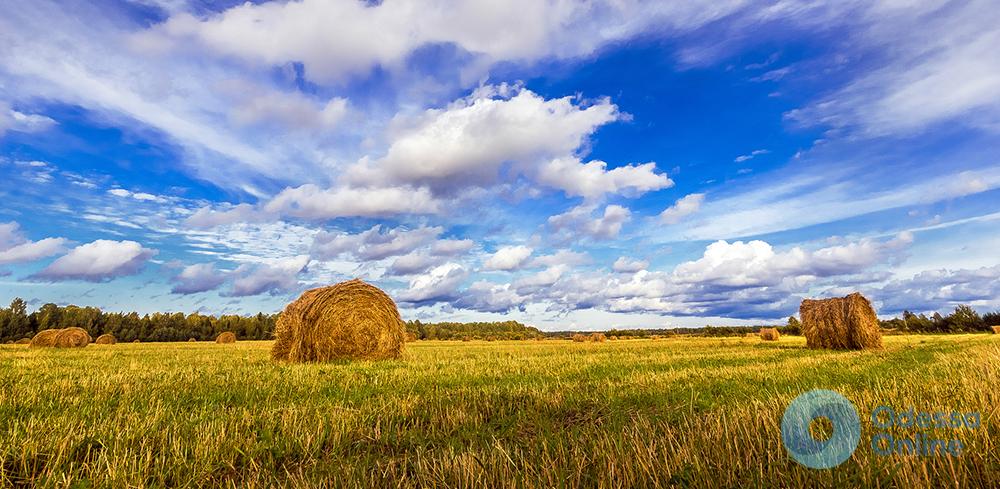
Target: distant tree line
964,319
16,323
503,330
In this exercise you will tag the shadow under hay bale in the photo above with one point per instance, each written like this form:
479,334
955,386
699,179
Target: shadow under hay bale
226,337
842,323
349,320
769,334
106,339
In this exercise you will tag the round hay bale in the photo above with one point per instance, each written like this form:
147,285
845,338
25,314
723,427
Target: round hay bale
769,334
226,337
72,338
579,337
996,329
842,323
192,340
597,337
106,339
410,337
136,341
349,320
45,338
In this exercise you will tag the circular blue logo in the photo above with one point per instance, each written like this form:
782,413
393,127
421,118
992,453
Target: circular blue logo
821,454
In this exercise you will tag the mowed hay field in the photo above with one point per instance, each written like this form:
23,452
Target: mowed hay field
683,412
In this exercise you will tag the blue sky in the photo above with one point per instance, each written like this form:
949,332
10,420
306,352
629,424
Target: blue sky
568,164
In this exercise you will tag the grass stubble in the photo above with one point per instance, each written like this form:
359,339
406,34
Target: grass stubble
679,412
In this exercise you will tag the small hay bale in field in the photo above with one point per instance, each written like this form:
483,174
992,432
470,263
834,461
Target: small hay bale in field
45,338
192,340
598,337
579,338
226,337
106,339
769,334
136,341
996,329
410,337
842,323
466,338
750,335
349,320
71,338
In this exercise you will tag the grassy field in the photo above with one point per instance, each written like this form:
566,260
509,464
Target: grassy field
641,413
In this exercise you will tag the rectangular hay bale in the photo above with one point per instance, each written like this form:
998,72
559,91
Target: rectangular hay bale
842,323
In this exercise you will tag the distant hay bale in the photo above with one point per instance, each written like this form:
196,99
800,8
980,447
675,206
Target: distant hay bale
842,323
61,338
996,329
45,338
192,340
750,335
106,339
410,337
349,320
769,334
578,337
466,338
136,341
23,341
597,337
226,337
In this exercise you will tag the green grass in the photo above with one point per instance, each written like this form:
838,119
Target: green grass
679,412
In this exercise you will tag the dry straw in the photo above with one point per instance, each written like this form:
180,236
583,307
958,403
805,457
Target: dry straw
579,338
192,340
769,334
226,337
598,337
349,320
61,338
750,335
23,341
996,329
843,323
106,339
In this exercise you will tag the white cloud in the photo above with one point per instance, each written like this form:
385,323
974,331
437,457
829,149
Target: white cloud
311,202
414,263
508,258
12,120
438,285
685,206
98,261
373,244
451,247
627,265
200,277
751,155
580,220
15,248
592,180
207,218
276,277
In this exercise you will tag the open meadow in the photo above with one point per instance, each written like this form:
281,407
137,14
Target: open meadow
676,412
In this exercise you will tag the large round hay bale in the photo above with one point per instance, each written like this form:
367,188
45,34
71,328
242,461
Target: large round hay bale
598,337
579,337
226,337
769,334
349,320
842,323
72,338
45,338
106,339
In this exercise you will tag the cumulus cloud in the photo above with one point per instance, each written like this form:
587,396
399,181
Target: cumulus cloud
12,120
452,247
200,277
628,265
312,202
508,258
438,285
592,179
373,244
579,220
685,206
936,289
276,277
15,248
99,261
207,218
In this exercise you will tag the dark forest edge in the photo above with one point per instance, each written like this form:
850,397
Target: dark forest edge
16,323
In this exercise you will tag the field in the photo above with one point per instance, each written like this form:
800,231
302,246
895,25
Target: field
684,412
